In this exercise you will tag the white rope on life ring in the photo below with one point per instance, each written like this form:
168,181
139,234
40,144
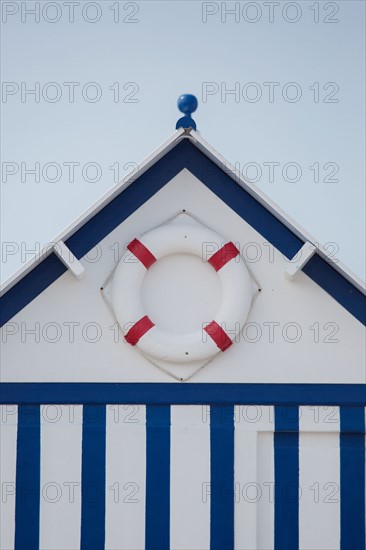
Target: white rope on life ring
156,342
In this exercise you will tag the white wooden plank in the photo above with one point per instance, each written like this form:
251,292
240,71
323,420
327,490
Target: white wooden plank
8,442
254,418
254,477
60,497
265,509
125,477
319,418
247,490
319,506
190,478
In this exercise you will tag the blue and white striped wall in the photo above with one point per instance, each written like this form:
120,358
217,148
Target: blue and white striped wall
182,476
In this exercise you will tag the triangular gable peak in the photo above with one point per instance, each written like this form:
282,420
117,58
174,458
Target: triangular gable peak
185,149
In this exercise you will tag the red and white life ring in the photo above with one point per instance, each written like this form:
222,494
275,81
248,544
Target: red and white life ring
139,330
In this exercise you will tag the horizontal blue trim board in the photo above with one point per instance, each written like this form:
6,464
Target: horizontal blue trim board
183,155
184,394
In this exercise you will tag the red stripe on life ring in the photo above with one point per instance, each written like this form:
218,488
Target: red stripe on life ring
218,335
138,330
223,256
142,253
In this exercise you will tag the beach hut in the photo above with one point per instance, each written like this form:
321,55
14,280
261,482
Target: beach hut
183,368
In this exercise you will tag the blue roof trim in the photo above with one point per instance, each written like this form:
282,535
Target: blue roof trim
35,282
337,286
182,394
183,155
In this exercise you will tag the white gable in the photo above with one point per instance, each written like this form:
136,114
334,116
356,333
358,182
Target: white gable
295,331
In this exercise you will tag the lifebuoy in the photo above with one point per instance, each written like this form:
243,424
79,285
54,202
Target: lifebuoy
139,330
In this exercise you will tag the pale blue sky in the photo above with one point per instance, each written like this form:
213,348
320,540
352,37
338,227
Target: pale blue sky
168,50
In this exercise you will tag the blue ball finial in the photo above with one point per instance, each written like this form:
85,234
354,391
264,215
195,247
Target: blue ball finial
187,104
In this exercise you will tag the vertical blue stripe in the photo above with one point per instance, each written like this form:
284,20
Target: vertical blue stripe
222,477
28,476
157,519
286,464
93,478
352,458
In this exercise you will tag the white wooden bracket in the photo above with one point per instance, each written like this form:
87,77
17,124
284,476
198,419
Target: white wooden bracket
69,260
306,252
